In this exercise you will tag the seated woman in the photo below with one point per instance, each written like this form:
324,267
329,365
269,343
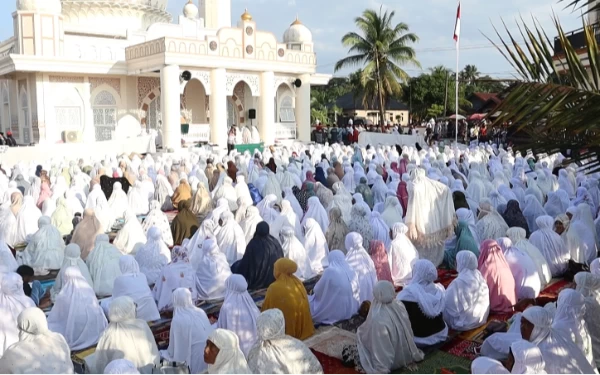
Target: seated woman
379,353
212,270
463,240
120,366
402,255
185,223
359,260
177,274
126,337
12,302
335,296
486,365
527,280
189,330
518,237
288,294
500,280
131,233
380,260
294,250
277,353
239,312
182,193
223,355
589,286
46,248
72,258
257,264
424,302
153,256
525,358
157,218
103,264
76,313
38,350
133,283
467,297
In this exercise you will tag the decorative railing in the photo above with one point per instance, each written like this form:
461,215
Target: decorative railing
197,133
285,130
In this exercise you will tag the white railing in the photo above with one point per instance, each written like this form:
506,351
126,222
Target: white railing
197,133
285,130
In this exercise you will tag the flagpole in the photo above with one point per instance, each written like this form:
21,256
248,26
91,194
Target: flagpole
456,101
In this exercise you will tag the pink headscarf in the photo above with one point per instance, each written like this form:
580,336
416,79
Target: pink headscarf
403,166
402,194
380,258
45,193
499,278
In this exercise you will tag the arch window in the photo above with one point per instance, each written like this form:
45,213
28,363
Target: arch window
153,116
105,115
286,110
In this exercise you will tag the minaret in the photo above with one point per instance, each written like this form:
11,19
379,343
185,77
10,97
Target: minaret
38,28
216,13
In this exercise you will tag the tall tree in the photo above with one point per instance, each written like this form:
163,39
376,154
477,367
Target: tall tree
469,74
380,51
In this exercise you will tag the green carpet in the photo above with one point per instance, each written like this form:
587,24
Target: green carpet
438,362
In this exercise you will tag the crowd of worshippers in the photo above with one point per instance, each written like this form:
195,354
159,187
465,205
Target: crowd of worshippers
368,221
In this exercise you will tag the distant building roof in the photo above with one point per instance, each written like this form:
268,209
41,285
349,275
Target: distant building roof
485,96
349,102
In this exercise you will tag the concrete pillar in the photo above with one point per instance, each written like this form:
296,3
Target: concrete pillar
218,108
266,108
302,109
170,105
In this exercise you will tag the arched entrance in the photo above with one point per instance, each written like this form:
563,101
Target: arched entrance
195,101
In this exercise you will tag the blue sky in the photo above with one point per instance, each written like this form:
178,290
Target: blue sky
431,20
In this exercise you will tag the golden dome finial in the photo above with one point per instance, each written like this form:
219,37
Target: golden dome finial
246,16
296,22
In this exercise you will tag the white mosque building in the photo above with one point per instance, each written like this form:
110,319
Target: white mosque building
98,70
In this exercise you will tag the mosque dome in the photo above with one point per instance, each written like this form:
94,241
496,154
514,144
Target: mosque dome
297,33
41,6
246,16
112,17
190,10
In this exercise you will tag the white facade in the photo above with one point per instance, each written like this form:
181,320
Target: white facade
65,74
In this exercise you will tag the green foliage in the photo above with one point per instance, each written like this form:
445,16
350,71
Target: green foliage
435,110
379,49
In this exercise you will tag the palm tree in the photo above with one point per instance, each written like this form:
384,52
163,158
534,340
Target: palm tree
380,50
469,74
583,5
557,105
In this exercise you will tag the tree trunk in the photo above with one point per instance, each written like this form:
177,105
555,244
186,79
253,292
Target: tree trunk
380,93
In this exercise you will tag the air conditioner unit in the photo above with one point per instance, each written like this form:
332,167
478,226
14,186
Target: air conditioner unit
71,136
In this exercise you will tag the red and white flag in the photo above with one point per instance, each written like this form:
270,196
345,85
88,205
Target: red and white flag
457,25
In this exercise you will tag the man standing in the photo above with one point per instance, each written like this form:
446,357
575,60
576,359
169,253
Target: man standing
231,139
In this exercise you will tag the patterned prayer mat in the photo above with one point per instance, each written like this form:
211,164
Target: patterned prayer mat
331,341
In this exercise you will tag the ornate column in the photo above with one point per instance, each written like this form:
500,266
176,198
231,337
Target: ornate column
170,107
303,109
266,108
218,108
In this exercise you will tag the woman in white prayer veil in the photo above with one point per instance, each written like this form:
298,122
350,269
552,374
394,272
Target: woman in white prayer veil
228,358
94,195
239,312
315,245
348,180
212,270
133,283
62,217
72,258
316,212
38,350
565,184
73,203
569,320
46,248
381,231
430,216
532,210
277,353
523,268
178,274
402,255
131,233
12,302
287,218
553,206
589,286
382,354
359,260
118,201
379,190
137,198
189,330
490,225
551,245
126,337
103,264
336,294
342,200
294,250
157,218
518,237
467,297
486,365
581,237
153,256
163,193
288,194
230,238
393,211
227,191
241,188
121,366
76,313
27,220
250,222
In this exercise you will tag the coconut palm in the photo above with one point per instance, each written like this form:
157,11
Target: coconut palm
380,48
469,74
555,103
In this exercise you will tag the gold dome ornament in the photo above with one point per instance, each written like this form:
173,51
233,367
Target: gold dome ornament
246,16
296,22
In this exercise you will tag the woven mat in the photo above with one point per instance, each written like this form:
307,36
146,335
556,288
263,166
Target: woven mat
439,362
